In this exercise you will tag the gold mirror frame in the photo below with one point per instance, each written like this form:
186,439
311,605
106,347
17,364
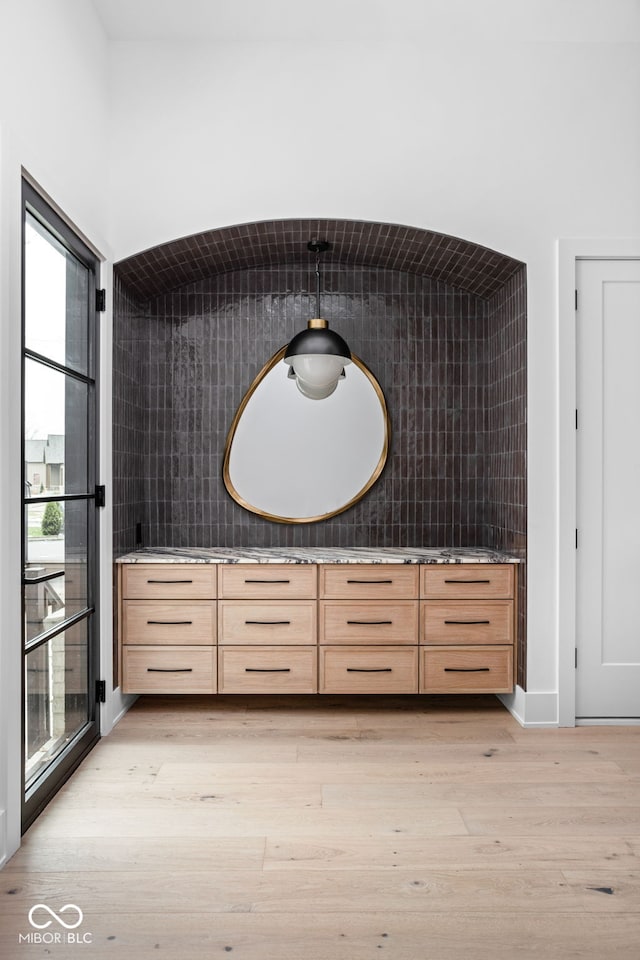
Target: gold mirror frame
275,359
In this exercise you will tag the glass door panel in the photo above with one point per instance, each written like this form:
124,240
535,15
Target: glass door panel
59,550
56,698
56,416
55,573
56,299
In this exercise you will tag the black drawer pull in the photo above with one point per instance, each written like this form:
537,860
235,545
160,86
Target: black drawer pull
462,622
169,623
369,670
169,669
268,623
169,581
369,581
467,581
267,669
467,669
267,581
369,623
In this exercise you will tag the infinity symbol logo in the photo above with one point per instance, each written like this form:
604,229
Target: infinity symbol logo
56,916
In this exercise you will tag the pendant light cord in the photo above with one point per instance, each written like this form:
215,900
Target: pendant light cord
318,286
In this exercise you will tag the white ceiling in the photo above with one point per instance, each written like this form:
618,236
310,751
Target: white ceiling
426,20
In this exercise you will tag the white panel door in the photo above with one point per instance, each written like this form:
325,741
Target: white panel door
608,489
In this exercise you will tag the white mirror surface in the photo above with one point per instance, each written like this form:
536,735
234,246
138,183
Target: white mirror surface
298,460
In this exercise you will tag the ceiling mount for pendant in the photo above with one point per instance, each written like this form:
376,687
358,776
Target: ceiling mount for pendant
317,355
318,246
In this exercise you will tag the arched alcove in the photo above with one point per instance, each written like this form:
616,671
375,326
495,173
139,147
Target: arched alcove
355,243
440,321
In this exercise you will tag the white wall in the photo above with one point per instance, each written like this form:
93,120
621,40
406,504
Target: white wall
53,113
511,146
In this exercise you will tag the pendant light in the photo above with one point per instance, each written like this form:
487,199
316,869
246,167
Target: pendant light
317,356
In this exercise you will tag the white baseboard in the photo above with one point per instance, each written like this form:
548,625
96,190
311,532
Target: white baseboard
115,709
607,721
532,709
3,838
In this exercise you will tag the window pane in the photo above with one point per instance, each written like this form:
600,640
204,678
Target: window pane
56,542
56,696
55,430
56,299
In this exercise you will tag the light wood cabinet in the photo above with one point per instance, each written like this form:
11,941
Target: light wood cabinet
467,581
268,581
170,621
369,618
169,581
267,622
169,628
267,628
467,669
267,669
168,669
467,628
366,669
368,581
328,628
467,621
368,621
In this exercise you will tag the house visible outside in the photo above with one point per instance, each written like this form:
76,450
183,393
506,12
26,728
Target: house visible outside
44,464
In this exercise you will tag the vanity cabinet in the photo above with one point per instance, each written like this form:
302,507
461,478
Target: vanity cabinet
368,638
341,628
169,628
267,628
467,629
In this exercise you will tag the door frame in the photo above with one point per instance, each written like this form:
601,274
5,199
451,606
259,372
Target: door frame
569,251
46,785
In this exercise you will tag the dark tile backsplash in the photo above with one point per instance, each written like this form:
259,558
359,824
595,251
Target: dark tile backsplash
452,366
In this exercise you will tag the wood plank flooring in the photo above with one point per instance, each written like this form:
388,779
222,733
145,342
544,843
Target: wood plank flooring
336,829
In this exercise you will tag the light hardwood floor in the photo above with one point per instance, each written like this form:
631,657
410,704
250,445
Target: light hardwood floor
336,829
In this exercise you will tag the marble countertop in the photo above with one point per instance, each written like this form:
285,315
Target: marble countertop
316,555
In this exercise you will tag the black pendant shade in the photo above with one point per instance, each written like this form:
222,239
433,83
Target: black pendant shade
318,340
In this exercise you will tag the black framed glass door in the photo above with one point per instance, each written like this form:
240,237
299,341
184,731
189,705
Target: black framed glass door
59,471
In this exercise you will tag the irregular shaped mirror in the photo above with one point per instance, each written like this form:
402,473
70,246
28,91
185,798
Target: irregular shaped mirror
297,460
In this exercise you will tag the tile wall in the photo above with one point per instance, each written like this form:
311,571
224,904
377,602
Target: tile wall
506,438
131,401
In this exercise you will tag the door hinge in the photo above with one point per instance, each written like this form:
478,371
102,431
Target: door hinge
101,300
576,658
576,300
101,691
576,419
101,496
576,538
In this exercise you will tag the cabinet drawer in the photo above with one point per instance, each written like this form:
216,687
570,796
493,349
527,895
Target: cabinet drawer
466,669
169,669
269,581
267,669
368,581
169,621
368,670
467,581
467,621
170,581
270,622
370,622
